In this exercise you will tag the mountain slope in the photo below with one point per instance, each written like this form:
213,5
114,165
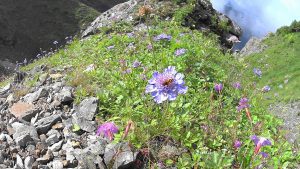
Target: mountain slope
114,79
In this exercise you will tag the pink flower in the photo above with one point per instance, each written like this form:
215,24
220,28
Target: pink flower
218,87
107,129
237,144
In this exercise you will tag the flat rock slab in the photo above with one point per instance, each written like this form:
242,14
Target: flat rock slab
24,111
45,124
88,108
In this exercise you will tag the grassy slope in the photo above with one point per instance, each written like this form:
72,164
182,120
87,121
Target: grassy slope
280,62
203,121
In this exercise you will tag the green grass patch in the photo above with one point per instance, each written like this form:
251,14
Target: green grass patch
280,65
202,121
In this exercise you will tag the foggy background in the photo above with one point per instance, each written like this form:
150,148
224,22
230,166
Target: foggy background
259,17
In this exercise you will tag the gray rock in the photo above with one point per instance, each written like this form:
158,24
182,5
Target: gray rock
44,124
87,159
19,163
46,158
1,156
56,147
57,164
123,158
96,144
86,125
43,167
5,89
88,108
52,132
28,162
124,12
69,151
65,94
52,139
32,97
254,45
24,134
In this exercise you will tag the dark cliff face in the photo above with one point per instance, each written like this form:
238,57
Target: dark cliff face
27,26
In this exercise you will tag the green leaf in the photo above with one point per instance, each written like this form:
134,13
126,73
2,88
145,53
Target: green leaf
76,128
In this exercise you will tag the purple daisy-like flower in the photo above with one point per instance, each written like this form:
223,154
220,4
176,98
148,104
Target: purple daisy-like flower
257,72
107,129
237,144
260,142
243,103
218,87
136,64
266,88
167,85
163,36
180,52
237,85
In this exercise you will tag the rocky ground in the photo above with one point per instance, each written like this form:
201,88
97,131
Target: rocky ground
37,128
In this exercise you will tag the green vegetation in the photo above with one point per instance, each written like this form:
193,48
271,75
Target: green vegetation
280,65
202,121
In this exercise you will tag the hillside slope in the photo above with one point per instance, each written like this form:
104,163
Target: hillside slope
145,94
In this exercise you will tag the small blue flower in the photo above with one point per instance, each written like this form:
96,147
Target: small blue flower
266,89
257,72
237,85
136,64
163,36
180,52
167,85
264,155
110,47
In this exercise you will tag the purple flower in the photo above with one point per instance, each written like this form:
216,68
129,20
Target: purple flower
149,47
163,36
243,103
110,47
107,129
180,52
264,155
257,72
122,62
136,64
130,34
237,144
260,142
237,85
218,87
266,88
127,71
167,85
